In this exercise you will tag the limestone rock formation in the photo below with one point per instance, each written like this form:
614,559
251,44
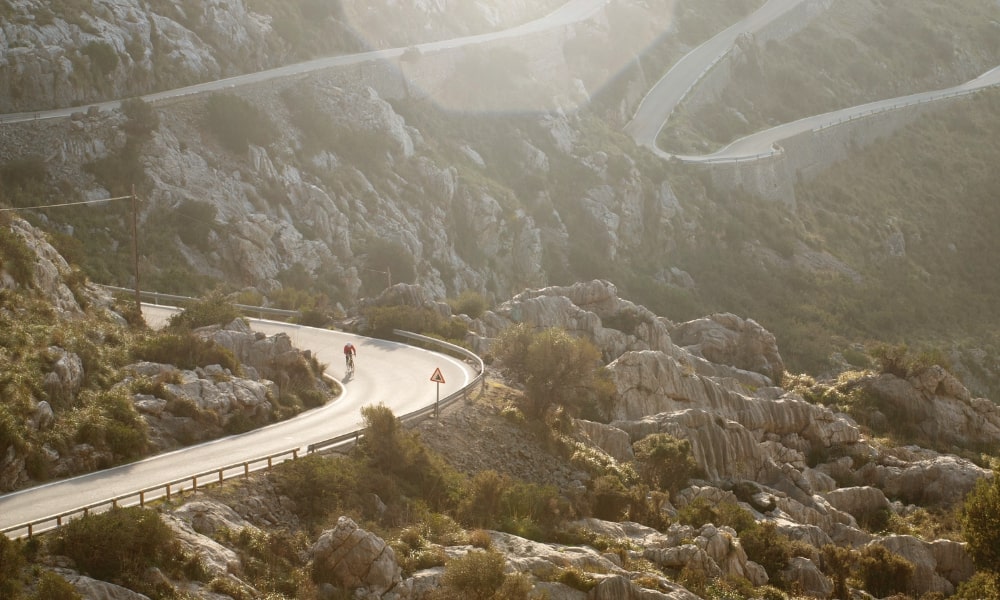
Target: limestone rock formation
199,403
939,405
729,340
350,557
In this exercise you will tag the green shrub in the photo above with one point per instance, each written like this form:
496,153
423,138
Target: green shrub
730,514
15,256
557,369
185,350
238,123
110,421
318,485
665,462
213,309
102,56
120,170
141,118
469,302
526,506
482,503
480,538
194,222
983,585
610,498
766,546
979,518
576,579
53,587
269,559
883,572
478,575
383,319
11,563
119,544
838,563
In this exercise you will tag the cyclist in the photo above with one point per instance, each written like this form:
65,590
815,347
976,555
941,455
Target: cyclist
349,353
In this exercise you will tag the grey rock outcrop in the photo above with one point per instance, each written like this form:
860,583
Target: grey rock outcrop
937,566
350,557
64,380
729,340
808,577
49,271
923,477
591,310
939,406
199,404
93,589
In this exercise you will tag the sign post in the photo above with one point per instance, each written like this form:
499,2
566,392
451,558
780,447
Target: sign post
437,378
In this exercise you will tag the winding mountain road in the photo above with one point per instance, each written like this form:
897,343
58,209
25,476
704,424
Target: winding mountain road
663,98
394,374
571,12
390,373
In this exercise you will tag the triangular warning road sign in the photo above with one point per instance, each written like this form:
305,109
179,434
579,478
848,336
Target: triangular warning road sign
437,377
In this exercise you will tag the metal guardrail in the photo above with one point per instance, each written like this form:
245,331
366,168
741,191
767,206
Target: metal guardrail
140,497
422,413
164,490
157,298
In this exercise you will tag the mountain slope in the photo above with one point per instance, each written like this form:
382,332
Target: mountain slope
314,193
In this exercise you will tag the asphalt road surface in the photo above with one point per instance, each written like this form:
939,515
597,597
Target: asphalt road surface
387,372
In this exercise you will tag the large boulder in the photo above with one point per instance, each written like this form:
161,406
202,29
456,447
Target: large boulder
806,576
938,406
64,379
591,310
200,404
730,340
652,382
352,558
93,589
615,442
923,477
938,566
619,587
859,502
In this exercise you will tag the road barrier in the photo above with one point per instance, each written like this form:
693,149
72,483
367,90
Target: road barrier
141,497
243,469
173,300
422,413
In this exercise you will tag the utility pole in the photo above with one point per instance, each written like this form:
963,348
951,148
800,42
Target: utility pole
135,249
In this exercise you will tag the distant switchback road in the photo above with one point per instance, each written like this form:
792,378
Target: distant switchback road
663,98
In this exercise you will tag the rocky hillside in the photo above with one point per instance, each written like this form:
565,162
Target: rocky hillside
319,191
83,388
70,53
810,473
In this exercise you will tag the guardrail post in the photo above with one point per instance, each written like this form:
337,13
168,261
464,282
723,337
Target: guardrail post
246,469
30,529
220,476
168,492
194,484
59,521
295,454
142,498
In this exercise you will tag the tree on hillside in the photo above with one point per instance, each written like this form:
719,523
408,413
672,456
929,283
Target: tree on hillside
665,462
979,517
557,369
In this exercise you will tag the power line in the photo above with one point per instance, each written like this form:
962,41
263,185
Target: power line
40,206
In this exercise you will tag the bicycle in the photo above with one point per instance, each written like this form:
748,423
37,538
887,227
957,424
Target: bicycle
350,363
